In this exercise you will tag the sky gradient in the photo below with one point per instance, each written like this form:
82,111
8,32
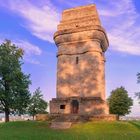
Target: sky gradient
31,24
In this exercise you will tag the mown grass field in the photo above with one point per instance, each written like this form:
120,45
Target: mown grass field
85,131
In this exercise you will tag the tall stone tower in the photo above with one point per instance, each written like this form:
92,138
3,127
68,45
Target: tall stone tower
81,42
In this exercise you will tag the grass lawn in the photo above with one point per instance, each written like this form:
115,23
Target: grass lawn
85,131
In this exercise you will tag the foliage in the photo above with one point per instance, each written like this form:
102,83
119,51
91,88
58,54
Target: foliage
83,131
37,104
138,81
119,102
138,77
14,84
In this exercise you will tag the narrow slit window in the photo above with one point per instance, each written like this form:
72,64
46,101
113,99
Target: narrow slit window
77,60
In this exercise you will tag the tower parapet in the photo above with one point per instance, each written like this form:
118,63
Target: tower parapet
79,25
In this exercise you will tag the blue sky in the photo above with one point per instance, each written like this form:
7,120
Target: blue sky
31,24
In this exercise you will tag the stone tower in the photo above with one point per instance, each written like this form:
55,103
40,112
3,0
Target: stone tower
81,42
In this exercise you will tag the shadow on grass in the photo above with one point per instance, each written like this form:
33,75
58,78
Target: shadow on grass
135,123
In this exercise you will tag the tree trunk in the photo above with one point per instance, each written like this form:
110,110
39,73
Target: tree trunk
6,115
118,117
33,117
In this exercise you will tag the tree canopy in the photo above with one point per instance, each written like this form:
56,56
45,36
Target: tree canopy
14,84
119,102
138,81
138,77
37,104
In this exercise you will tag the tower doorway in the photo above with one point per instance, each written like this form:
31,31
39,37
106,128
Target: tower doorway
74,107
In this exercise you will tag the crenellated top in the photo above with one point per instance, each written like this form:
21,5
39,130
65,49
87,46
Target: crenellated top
81,24
79,17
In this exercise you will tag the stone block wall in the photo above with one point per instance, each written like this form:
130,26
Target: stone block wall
81,42
42,117
87,106
80,71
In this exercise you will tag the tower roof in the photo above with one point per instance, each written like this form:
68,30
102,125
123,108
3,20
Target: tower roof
80,12
79,17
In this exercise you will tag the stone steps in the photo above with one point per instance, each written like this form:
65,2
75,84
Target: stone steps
61,125
71,118
65,121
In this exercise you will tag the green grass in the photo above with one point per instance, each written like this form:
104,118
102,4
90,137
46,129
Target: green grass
85,131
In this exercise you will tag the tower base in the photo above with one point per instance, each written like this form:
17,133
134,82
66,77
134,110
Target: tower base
79,106
66,111
65,121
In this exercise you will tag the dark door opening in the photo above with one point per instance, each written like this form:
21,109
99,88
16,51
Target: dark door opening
74,106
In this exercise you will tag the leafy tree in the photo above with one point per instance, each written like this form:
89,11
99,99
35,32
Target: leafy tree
138,81
14,84
119,102
37,104
138,77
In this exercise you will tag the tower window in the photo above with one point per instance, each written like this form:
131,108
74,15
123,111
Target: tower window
76,25
77,60
62,106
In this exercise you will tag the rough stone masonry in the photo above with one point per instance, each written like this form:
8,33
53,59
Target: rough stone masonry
82,43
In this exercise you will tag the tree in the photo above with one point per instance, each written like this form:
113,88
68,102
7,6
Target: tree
138,81
119,102
14,84
138,77
37,104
